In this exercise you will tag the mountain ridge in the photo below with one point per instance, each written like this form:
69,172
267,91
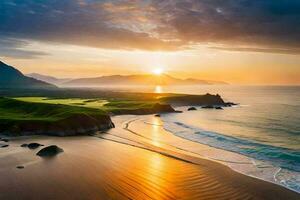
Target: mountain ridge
48,79
139,79
11,77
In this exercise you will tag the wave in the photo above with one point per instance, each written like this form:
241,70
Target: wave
287,160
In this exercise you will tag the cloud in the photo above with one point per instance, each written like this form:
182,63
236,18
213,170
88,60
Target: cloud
256,25
13,48
266,24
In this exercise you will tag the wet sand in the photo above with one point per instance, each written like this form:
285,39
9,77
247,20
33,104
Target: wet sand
129,162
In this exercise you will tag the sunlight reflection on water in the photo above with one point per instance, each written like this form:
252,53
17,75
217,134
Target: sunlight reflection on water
158,89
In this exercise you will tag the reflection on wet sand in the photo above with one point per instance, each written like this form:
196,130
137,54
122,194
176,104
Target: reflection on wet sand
123,165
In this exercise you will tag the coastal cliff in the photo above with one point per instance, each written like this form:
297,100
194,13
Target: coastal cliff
78,124
196,100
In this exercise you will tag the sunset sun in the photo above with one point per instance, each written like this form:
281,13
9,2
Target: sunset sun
158,71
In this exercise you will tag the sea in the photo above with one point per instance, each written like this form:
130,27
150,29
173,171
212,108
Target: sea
264,127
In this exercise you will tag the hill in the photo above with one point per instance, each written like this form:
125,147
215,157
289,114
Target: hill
146,79
48,79
13,78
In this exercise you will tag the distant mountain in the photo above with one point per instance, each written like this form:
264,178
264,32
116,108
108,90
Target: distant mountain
48,79
147,79
13,78
208,82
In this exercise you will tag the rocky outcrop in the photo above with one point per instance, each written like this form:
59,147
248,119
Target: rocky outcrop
79,124
196,100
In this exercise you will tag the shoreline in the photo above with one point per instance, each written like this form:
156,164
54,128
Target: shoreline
125,168
226,163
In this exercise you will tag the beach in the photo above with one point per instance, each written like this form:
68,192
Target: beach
136,160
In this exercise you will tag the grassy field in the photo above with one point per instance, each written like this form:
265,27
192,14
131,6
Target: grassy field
103,105
65,115
12,109
90,103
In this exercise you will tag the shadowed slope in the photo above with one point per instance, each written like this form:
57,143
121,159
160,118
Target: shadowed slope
12,78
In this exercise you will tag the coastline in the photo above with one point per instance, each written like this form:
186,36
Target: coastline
237,162
135,162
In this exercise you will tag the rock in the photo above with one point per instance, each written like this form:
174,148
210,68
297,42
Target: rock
49,151
178,111
162,108
229,104
219,108
191,108
112,125
3,145
20,167
208,107
24,145
157,115
34,145
4,140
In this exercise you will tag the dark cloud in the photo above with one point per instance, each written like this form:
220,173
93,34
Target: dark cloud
246,25
264,24
70,22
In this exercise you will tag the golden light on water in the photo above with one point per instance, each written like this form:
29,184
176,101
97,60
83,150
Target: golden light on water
158,89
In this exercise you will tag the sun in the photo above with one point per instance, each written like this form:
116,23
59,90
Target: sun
158,71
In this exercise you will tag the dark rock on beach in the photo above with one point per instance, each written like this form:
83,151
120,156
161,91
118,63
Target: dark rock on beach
191,108
24,145
208,107
157,115
20,167
178,111
3,145
49,151
34,145
4,140
219,108
229,104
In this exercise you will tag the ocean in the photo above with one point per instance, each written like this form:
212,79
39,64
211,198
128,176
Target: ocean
265,127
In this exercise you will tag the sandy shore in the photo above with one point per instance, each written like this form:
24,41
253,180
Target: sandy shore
136,160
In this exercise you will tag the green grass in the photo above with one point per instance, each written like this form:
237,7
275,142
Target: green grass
16,110
109,106
89,103
17,117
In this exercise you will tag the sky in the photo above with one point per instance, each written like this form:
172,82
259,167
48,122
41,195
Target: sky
237,41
